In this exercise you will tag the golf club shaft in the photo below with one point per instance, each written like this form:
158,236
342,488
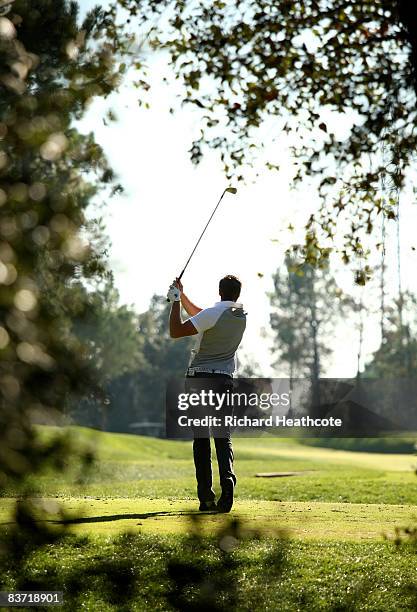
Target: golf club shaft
202,234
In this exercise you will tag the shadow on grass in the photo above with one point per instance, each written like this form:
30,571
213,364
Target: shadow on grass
118,517
122,517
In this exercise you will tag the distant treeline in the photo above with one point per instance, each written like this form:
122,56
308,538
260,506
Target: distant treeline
133,356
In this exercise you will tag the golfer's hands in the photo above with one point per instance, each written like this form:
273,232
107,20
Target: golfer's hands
174,294
178,284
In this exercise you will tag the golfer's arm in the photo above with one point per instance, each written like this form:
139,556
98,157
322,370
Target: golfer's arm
188,306
178,329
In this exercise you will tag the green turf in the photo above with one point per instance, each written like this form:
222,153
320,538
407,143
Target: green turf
310,521
339,514
137,466
264,575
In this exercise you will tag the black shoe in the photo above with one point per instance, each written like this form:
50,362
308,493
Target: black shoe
225,502
208,506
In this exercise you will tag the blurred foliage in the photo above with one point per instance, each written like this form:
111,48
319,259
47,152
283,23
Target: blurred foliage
62,335
165,359
306,67
306,303
51,67
201,573
133,357
396,357
235,570
217,588
109,333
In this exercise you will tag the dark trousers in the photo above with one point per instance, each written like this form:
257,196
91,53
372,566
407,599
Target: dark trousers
202,462
202,450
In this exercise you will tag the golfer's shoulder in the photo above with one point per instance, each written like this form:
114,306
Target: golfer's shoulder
235,312
209,317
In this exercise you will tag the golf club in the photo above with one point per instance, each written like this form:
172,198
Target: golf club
227,190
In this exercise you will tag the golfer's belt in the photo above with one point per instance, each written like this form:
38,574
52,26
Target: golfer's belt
194,371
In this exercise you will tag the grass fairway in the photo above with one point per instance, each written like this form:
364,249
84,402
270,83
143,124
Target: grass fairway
335,517
135,466
309,521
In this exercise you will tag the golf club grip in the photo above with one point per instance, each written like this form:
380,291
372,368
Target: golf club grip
178,278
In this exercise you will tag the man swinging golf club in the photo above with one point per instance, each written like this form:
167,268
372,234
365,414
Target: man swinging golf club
220,329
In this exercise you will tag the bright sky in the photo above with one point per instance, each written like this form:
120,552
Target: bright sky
154,226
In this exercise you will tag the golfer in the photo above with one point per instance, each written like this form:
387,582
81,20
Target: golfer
220,329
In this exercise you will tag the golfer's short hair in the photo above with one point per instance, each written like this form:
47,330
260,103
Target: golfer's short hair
230,287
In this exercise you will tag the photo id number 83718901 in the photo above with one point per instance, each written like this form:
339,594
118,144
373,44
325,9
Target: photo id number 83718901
31,598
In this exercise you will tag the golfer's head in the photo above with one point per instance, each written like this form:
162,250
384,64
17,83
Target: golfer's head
229,288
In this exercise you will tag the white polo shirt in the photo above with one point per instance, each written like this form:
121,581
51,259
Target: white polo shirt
220,330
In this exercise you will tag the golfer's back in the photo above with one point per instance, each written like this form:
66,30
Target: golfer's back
220,332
